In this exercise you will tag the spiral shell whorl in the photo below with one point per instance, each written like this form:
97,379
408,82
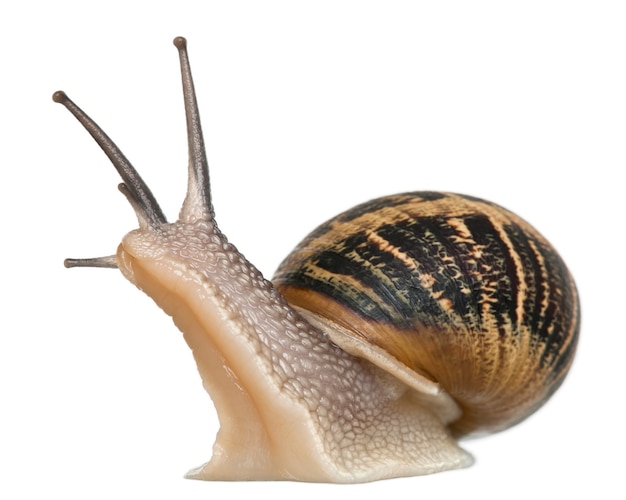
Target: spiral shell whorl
457,288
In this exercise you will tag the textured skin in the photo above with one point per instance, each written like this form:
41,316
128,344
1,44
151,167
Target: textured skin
308,410
457,288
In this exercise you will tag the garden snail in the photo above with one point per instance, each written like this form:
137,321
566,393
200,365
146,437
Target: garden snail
390,331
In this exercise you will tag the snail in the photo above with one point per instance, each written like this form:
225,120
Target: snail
391,331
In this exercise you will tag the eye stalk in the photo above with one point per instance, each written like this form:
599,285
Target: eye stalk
144,202
197,204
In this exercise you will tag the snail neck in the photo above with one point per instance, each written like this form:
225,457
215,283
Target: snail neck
248,343
291,404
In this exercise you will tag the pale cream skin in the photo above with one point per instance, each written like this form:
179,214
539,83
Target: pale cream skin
297,398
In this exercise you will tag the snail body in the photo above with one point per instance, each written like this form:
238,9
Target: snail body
390,331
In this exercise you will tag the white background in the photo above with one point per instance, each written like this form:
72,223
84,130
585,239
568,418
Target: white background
308,109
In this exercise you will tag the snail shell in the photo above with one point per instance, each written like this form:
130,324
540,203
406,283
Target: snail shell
391,329
456,288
